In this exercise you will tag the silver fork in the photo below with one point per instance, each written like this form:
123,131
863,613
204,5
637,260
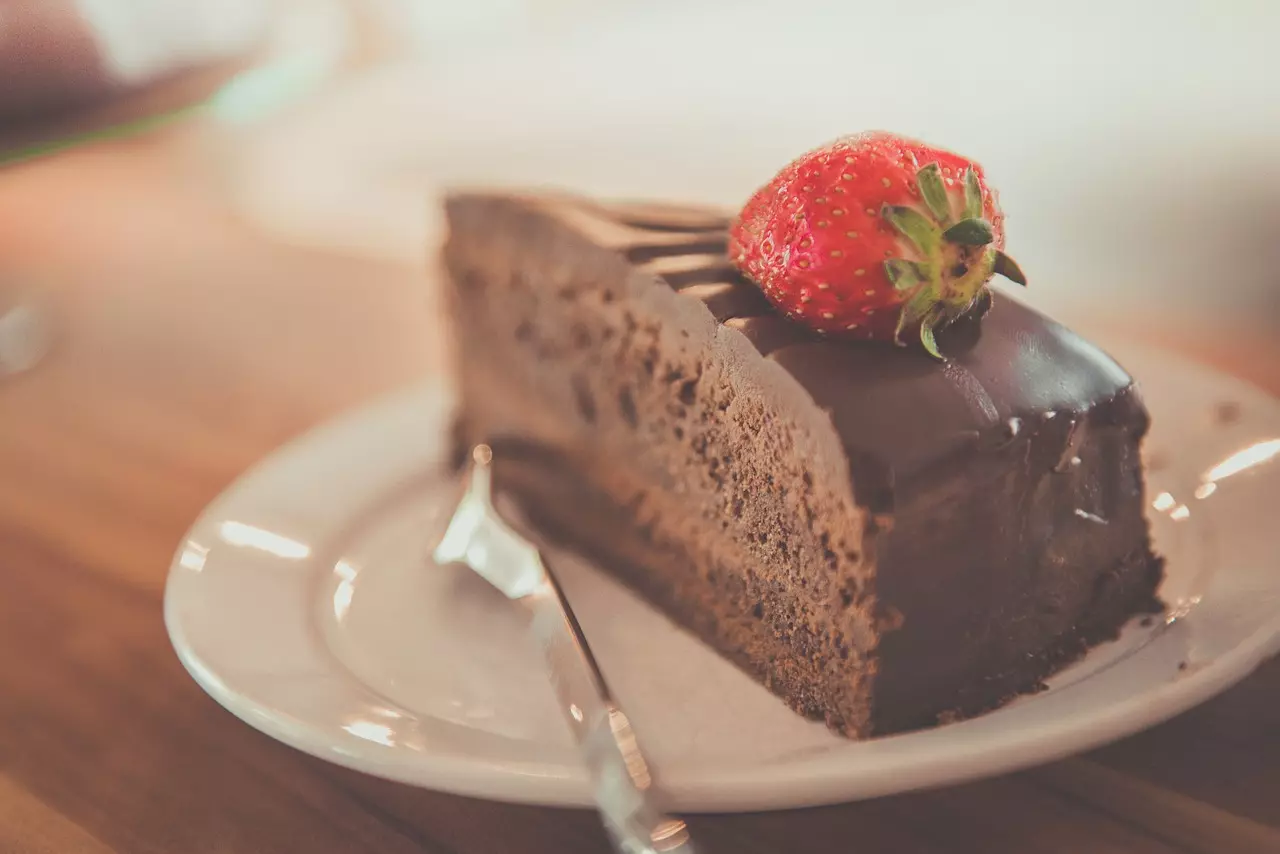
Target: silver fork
624,792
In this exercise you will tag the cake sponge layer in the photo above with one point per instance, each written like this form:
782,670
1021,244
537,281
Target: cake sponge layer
638,427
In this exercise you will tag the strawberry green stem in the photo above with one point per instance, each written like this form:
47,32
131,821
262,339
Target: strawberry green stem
954,258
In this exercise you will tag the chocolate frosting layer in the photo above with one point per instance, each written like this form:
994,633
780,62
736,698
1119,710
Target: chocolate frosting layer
898,411
908,411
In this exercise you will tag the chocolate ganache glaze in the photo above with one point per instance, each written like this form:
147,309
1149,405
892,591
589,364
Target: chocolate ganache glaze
1005,483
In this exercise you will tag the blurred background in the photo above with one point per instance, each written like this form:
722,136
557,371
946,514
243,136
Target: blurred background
218,220
160,156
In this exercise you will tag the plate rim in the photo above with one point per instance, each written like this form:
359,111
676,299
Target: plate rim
821,779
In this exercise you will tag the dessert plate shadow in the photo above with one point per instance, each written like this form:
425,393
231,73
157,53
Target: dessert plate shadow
305,602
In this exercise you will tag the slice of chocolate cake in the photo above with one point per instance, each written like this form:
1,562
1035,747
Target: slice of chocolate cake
884,539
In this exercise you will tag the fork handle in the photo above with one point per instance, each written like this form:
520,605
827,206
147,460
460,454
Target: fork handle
619,774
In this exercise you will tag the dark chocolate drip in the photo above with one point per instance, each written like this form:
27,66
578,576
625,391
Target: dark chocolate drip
656,222
727,301
728,295
769,333
659,217
702,275
714,243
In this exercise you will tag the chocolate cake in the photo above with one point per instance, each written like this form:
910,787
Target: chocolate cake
884,539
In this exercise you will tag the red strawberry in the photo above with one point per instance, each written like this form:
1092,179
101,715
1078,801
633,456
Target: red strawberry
872,237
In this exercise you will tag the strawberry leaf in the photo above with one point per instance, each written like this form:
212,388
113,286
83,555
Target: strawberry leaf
904,274
972,195
921,304
899,329
914,226
928,339
970,232
1009,268
935,192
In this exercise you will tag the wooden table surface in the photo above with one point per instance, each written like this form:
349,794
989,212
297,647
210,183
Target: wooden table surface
189,345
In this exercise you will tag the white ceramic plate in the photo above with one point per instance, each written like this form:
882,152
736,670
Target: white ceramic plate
303,600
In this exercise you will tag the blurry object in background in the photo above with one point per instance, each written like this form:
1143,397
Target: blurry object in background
62,54
48,58
76,71
24,336
79,71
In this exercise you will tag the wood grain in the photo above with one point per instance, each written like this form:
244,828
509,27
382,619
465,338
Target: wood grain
188,347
